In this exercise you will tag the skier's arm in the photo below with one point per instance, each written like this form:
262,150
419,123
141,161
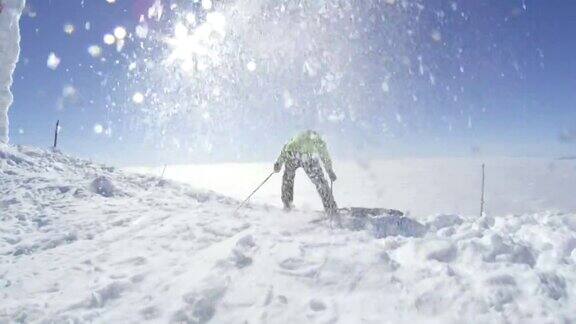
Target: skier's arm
282,157
280,160
325,156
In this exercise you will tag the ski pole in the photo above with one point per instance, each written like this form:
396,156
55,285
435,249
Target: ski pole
253,192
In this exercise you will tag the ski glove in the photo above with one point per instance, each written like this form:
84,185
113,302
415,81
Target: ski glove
332,175
277,167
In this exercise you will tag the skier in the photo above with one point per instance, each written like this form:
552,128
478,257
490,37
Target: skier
305,150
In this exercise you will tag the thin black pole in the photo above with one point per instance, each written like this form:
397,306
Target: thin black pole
56,131
253,192
483,187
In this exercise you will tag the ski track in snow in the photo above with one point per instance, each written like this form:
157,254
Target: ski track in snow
139,249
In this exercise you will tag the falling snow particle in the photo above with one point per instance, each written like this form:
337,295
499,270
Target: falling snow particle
436,36
109,39
94,51
111,1
420,65
87,25
53,61
98,129
207,4
180,31
336,116
288,101
156,10
191,18
385,86
142,31
119,44
138,98
69,29
251,66
68,91
120,32
432,79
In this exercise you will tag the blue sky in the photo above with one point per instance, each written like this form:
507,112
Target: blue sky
482,78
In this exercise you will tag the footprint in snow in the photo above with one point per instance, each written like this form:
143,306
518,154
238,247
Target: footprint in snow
200,306
297,267
135,261
320,312
292,264
317,305
241,254
150,312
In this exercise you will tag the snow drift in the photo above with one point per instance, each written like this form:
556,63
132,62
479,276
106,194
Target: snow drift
9,51
159,251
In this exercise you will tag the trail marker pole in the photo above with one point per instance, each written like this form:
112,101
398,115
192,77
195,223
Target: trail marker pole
253,192
56,131
483,188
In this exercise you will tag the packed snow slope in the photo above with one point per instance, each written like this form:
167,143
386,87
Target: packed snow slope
418,186
82,242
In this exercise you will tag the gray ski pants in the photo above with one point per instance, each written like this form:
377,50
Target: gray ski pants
314,171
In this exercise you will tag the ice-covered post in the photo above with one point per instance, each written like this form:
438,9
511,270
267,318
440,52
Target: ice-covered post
56,132
10,49
482,197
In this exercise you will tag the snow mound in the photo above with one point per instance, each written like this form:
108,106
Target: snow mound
165,253
103,186
381,222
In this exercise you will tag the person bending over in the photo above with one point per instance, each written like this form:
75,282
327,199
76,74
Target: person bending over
306,150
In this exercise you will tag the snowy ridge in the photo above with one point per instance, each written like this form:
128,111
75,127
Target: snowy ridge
131,249
9,52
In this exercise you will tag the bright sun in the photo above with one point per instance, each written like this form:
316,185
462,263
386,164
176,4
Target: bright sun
197,48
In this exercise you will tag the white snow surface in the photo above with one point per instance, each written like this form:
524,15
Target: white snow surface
419,186
82,242
9,52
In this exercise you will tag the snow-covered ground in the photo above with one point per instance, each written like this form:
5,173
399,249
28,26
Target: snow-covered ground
131,248
418,186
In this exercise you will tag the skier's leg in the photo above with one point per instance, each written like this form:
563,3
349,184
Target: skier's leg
316,174
288,184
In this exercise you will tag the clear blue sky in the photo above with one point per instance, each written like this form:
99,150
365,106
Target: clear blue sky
445,78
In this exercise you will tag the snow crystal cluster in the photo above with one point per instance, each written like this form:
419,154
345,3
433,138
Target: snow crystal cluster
9,52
